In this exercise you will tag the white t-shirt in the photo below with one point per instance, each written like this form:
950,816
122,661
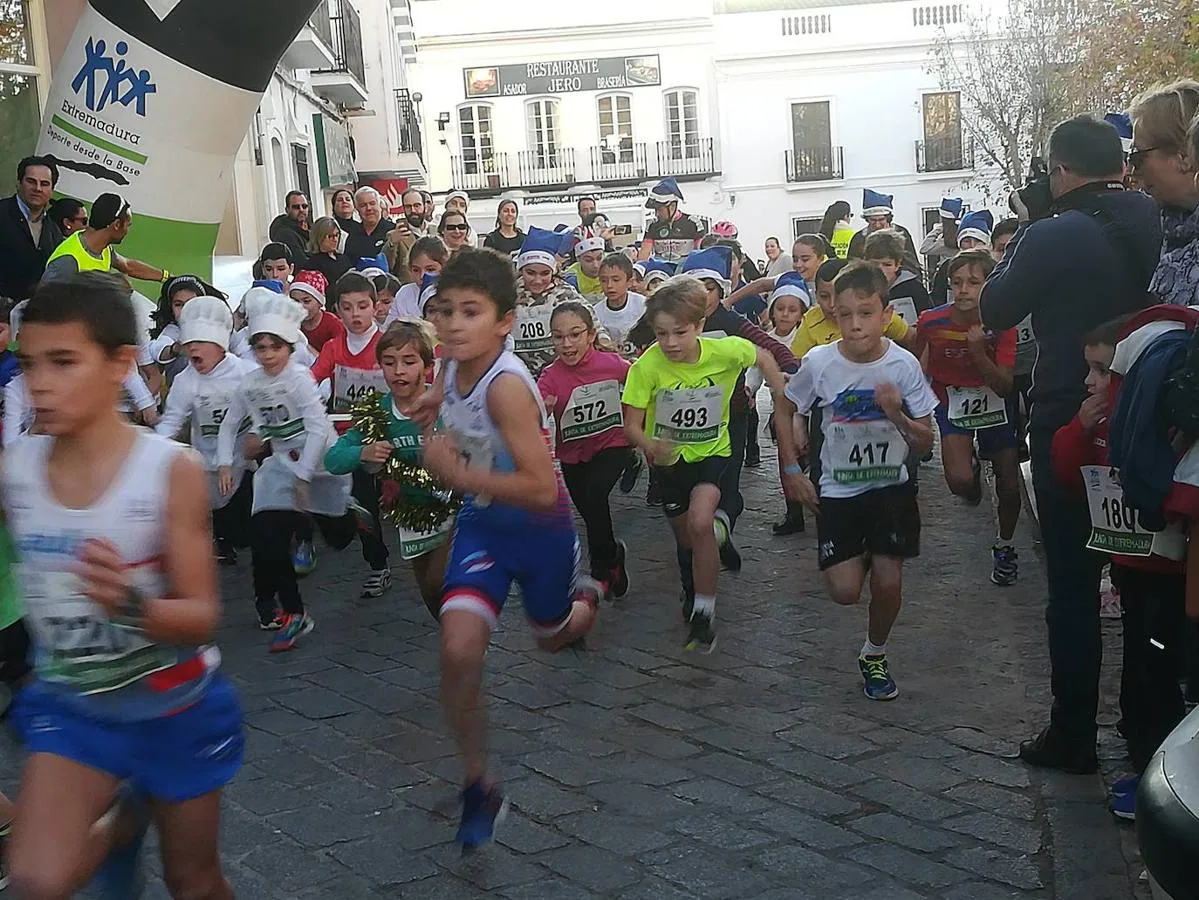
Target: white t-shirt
619,322
862,450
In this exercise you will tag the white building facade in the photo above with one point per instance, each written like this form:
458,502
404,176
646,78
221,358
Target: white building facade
766,111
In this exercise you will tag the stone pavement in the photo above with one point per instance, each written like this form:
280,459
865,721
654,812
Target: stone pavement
638,771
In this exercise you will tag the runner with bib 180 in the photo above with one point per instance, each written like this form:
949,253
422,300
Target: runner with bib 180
971,371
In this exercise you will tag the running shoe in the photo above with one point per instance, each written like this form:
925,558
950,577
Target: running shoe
377,583
226,553
730,556
1124,806
1005,570
879,685
303,560
628,478
482,810
701,636
793,522
272,622
5,828
294,627
618,580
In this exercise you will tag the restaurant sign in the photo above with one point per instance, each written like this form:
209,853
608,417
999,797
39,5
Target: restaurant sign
563,76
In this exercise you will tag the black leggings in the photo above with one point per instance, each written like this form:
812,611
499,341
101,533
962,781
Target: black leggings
274,575
231,523
589,484
366,492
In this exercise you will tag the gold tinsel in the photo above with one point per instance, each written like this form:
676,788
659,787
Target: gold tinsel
409,496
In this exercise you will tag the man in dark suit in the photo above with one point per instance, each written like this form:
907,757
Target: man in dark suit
27,235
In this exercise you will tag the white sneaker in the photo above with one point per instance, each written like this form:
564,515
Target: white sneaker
377,583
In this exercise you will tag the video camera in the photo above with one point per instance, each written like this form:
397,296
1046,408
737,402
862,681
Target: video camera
1035,195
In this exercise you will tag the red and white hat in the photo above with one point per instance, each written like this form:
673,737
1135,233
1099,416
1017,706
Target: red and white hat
314,284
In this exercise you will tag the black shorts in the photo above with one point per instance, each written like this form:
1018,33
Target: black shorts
882,522
14,653
678,481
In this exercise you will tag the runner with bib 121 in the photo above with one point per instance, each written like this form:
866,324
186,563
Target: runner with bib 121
875,411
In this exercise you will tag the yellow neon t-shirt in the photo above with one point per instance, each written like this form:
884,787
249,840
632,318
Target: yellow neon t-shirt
816,329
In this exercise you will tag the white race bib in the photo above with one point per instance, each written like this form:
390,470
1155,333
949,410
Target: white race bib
866,452
533,328
274,417
975,407
1114,524
689,415
905,308
78,644
592,409
1024,334
352,386
418,543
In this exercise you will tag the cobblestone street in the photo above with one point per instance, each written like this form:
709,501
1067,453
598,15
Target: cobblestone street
636,771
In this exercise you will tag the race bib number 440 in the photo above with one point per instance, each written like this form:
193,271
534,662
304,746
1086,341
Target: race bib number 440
866,453
689,415
592,409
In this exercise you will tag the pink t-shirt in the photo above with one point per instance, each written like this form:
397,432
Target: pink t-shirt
587,404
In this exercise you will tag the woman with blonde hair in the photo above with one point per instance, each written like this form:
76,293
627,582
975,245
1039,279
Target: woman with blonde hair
324,237
1163,162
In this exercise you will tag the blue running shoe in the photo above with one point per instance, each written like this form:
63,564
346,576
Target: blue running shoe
294,627
879,685
303,560
1124,806
482,811
1126,785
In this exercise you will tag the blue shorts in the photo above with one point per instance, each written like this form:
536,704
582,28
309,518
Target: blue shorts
171,759
991,441
485,560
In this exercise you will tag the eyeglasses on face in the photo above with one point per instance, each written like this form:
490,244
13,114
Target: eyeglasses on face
1137,155
461,226
299,206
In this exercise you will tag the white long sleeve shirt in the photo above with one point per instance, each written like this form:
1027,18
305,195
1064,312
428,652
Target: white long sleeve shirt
287,411
204,399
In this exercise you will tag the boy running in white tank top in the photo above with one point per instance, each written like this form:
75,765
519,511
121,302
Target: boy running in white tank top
112,533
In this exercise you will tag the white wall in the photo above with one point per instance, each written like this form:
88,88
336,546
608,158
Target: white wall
376,135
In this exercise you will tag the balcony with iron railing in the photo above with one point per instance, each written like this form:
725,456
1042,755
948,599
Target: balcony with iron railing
344,81
945,153
806,164
616,162
411,140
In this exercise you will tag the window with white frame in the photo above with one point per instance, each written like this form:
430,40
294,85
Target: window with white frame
615,128
811,142
542,125
682,123
944,148
20,105
475,136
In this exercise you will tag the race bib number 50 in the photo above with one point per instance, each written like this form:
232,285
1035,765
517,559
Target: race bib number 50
689,416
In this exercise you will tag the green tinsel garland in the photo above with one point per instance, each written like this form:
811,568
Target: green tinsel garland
409,496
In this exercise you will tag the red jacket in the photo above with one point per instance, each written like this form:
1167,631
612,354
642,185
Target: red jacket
1074,448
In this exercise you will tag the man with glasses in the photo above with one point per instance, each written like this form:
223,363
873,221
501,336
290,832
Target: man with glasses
27,235
291,228
91,250
1082,256
406,233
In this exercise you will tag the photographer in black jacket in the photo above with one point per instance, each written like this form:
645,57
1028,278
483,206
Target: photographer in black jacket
1083,255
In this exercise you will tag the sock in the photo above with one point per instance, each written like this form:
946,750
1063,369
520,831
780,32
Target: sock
705,603
871,649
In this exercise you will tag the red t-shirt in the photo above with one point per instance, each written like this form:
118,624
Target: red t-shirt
326,329
593,421
949,360
353,375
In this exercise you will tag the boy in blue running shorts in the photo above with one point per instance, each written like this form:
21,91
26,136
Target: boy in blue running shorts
114,547
516,523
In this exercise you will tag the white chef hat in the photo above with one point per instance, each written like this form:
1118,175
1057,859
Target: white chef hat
206,319
271,313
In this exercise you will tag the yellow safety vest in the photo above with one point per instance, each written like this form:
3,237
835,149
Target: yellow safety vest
74,248
842,235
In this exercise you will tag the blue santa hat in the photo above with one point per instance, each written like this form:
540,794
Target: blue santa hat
876,204
715,263
951,208
791,284
271,284
665,191
658,269
639,268
428,290
371,266
541,247
1123,125
977,224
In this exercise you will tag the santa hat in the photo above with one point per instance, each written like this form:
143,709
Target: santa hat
951,208
587,241
659,270
791,284
665,191
206,319
271,284
876,204
370,266
540,247
978,225
428,290
271,313
314,284
715,263
1123,125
